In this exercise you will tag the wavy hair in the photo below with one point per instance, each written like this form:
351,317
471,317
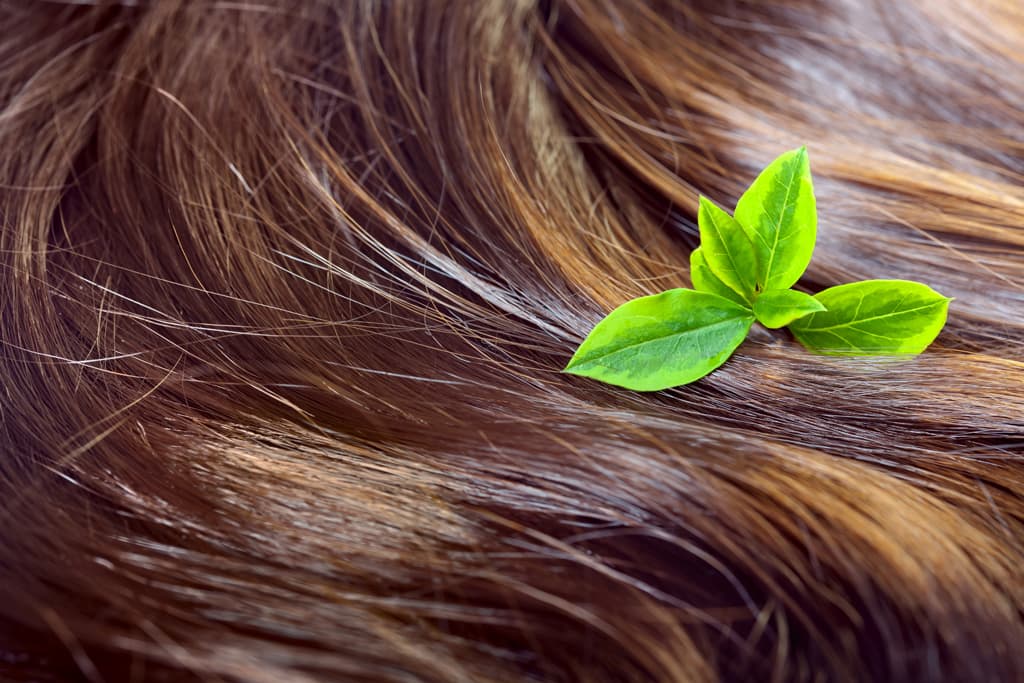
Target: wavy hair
286,287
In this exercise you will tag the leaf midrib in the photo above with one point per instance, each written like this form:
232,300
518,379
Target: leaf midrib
664,336
869,319
729,254
793,180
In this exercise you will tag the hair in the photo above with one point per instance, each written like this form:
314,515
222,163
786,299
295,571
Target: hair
286,289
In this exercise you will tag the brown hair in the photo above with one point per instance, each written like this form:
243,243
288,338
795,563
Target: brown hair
285,292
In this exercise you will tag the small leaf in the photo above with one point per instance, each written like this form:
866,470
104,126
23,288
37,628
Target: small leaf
779,307
778,212
874,317
727,250
661,341
706,281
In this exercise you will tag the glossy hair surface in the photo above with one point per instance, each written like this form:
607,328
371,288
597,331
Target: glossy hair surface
286,287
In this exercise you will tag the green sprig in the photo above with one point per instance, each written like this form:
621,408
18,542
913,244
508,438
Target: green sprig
743,272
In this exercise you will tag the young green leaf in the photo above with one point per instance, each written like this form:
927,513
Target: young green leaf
727,250
874,317
661,341
779,215
706,281
779,307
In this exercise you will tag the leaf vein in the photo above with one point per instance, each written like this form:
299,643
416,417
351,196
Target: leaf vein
890,314
651,340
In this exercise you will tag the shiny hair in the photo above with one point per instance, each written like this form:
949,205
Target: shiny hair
285,292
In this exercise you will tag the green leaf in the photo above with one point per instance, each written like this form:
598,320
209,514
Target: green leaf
874,317
661,341
727,250
706,281
779,307
779,215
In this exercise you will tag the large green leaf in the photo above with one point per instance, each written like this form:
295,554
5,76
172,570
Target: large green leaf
727,250
779,215
779,307
874,317
661,341
706,281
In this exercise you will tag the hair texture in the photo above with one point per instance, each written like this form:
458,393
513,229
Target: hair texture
286,289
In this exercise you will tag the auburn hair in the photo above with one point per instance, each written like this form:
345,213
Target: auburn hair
286,289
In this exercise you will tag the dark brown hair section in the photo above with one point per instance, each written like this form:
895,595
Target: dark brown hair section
285,289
